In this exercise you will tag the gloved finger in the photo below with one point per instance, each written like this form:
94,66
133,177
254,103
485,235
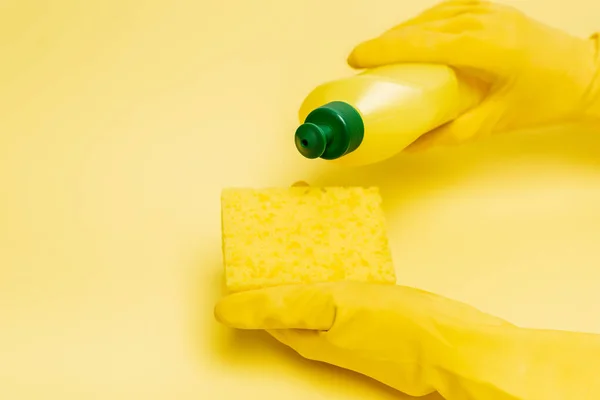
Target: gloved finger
475,123
281,307
464,23
423,44
305,342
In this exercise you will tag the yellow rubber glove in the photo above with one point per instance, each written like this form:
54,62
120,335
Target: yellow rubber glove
537,74
418,342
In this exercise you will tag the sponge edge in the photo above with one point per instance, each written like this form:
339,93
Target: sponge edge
278,236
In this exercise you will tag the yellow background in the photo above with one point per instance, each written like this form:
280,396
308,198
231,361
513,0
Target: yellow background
121,120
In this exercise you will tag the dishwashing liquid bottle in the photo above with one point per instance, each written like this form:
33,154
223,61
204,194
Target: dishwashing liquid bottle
374,115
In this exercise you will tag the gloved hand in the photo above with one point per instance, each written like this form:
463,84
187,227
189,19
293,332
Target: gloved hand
418,342
536,74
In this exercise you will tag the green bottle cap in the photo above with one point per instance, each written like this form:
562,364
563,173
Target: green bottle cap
330,131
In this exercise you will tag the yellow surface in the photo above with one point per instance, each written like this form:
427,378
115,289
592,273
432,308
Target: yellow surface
398,103
279,236
116,125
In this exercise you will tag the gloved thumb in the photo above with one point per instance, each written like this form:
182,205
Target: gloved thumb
282,307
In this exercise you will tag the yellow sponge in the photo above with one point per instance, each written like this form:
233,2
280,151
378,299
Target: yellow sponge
278,236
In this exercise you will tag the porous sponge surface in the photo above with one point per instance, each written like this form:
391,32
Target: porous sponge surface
276,236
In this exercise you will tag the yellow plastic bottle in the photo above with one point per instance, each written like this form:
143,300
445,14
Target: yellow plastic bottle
375,114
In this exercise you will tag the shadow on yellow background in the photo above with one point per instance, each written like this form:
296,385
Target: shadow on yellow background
121,121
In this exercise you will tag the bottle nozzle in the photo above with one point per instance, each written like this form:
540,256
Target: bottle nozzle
330,131
312,139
